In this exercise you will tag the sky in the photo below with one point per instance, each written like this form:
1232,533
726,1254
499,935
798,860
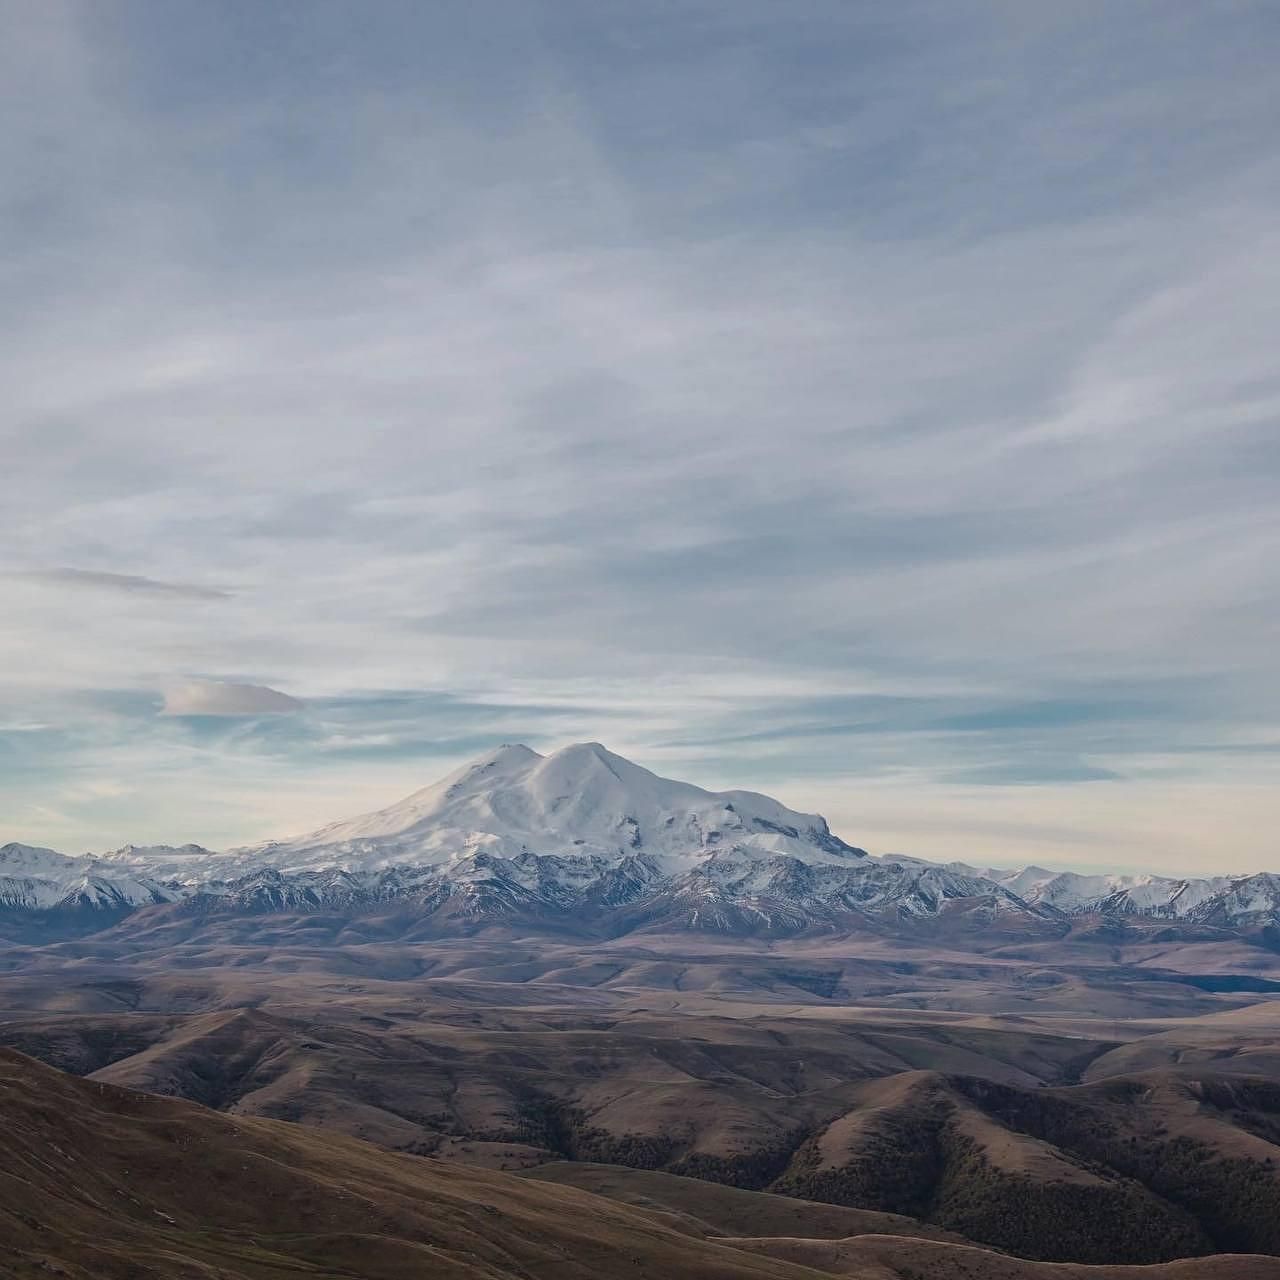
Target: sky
870,402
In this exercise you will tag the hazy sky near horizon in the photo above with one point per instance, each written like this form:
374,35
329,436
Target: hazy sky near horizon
871,402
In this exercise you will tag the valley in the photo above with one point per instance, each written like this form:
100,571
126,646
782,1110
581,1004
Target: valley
957,1096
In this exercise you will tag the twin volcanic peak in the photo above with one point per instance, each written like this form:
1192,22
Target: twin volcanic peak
584,837
582,801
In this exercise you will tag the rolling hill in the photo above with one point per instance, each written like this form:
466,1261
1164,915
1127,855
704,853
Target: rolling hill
101,1183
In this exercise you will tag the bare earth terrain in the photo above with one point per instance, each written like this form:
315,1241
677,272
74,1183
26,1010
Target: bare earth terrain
100,1182
802,1098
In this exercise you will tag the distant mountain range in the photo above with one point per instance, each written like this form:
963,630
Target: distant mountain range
584,841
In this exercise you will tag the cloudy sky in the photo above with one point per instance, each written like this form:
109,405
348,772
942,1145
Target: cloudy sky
874,402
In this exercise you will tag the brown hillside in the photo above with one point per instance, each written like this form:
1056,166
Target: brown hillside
100,1183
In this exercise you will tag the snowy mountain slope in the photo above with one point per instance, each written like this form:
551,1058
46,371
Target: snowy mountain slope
35,879
586,839
30,860
1140,895
583,801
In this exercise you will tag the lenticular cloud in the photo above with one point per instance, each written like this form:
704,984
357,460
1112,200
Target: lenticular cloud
223,698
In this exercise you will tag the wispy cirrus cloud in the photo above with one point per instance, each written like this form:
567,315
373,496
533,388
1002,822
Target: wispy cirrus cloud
875,407
97,579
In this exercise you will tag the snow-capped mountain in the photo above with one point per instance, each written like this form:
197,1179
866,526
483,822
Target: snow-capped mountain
583,801
585,839
1116,894
35,879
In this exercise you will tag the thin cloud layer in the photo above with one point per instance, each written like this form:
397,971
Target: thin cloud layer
874,404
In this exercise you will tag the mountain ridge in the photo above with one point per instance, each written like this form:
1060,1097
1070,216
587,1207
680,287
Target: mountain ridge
584,838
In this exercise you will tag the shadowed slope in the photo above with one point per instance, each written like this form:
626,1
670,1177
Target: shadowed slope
716,1210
